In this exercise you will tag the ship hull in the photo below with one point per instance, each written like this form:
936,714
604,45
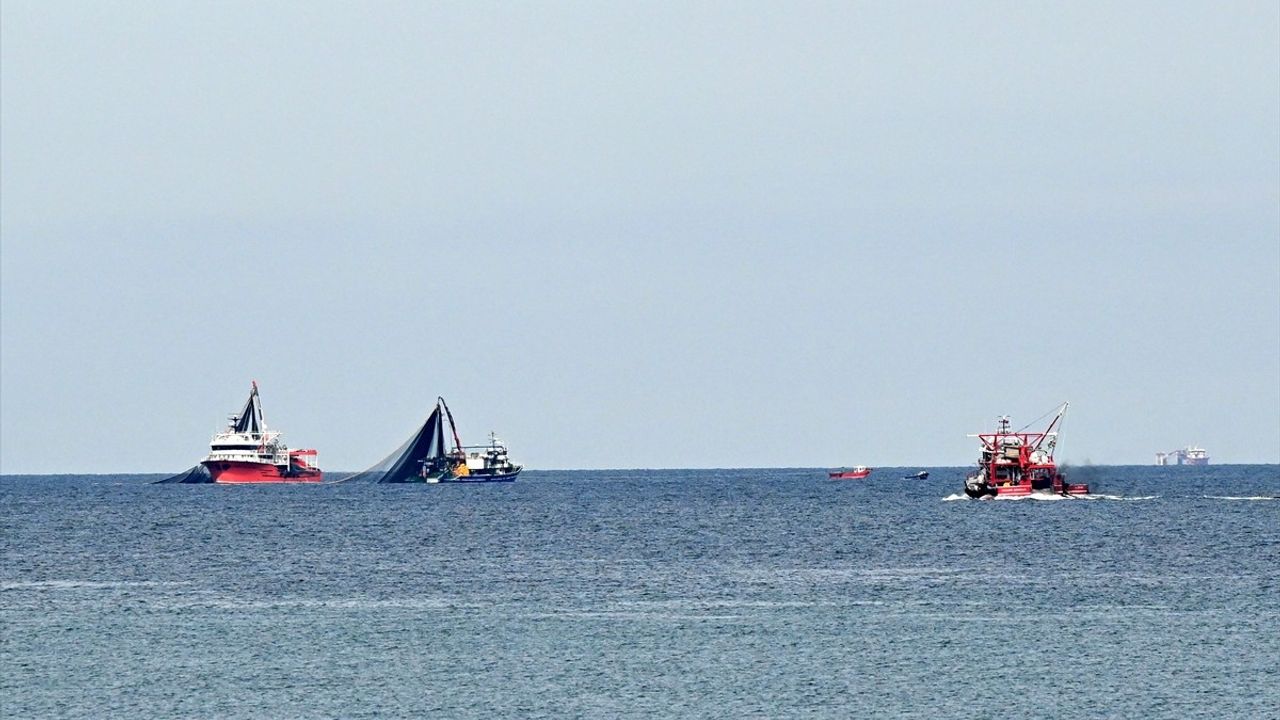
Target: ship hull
478,478
851,475
474,477
231,472
977,490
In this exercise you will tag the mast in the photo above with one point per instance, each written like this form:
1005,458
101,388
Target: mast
259,424
457,444
257,409
249,421
1049,432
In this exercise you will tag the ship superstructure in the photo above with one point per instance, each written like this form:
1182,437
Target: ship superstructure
473,463
1189,455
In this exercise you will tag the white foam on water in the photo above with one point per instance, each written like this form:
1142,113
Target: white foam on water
1034,496
718,604
85,584
898,575
1010,498
619,615
322,604
1055,496
1238,497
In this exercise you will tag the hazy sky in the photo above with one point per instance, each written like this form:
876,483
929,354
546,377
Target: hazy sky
639,234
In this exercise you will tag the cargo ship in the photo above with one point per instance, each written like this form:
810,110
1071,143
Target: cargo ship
1020,463
855,473
247,452
1189,455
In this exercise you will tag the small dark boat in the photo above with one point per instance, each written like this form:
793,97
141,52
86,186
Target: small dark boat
922,475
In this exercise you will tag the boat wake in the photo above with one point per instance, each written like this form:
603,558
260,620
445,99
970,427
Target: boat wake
1011,498
1237,497
1042,496
1118,497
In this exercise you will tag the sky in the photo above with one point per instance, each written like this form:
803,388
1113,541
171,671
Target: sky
713,234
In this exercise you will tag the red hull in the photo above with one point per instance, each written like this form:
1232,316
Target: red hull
850,475
1064,489
243,473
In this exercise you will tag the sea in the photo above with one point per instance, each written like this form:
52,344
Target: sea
749,593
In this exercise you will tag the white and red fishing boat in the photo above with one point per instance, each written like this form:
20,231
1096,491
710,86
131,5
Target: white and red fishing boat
855,473
1020,463
247,452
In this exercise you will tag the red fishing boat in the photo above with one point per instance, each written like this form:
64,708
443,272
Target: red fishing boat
1020,463
247,452
856,473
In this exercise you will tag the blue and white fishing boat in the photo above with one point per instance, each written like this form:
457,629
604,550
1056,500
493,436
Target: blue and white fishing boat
466,463
424,457
472,463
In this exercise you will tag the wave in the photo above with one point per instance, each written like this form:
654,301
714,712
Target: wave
84,584
641,605
217,603
624,615
1100,496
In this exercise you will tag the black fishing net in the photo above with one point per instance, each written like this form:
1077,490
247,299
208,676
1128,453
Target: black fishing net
196,475
248,421
405,464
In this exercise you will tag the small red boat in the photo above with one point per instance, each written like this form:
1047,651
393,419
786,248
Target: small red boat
247,452
1020,463
856,473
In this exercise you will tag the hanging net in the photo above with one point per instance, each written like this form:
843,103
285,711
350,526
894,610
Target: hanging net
196,475
405,464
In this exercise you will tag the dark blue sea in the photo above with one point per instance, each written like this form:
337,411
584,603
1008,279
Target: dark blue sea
643,594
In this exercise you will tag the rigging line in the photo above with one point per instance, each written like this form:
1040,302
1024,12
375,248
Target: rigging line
1033,422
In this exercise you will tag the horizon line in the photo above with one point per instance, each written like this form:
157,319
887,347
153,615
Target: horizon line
665,469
